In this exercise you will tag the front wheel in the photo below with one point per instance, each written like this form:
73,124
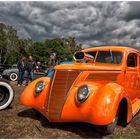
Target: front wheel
13,76
111,127
6,94
108,129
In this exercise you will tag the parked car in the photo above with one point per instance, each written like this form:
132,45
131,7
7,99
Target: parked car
12,73
2,68
101,87
6,94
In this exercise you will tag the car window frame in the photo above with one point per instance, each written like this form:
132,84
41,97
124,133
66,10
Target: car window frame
136,60
109,63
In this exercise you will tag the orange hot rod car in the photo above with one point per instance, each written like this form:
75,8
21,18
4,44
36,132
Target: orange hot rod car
101,87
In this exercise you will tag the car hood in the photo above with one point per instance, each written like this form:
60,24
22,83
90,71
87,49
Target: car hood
88,67
9,70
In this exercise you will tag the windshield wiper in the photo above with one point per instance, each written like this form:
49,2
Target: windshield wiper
111,53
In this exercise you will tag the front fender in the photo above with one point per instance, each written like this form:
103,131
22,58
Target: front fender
106,103
28,98
101,106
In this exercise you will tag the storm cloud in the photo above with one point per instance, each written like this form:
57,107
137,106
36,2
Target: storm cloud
91,23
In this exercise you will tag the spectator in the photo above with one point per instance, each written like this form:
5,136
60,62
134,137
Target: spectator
30,67
52,60
57,60
21,65
37,67
51,63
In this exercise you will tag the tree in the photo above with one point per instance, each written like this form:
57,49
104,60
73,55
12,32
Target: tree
8,39
39,52
63,47
12,47
22,48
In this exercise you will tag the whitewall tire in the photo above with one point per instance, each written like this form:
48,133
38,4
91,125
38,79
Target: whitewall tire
13,76
6,94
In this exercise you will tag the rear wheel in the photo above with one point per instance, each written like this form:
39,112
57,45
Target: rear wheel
13,76
6,94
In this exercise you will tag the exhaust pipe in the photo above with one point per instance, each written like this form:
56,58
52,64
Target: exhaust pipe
83,57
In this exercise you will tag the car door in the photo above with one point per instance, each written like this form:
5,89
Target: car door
139,78
131,75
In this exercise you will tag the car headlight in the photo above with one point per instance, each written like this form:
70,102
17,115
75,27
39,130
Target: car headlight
39,87
82,94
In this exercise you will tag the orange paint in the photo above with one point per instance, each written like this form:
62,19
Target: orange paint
108,85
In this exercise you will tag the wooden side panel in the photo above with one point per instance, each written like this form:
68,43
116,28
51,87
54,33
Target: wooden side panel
102,76
61,85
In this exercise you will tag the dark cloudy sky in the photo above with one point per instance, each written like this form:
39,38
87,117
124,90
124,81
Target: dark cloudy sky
91,23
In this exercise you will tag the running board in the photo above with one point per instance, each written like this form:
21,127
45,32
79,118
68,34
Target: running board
136,107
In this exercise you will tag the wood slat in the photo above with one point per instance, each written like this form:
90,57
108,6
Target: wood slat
63,81
102,76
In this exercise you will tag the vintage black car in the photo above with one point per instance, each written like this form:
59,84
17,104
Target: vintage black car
3,67
12,73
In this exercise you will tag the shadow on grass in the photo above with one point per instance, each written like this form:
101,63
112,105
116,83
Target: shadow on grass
84,130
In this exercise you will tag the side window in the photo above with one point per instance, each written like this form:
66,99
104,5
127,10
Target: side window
132,60
92,53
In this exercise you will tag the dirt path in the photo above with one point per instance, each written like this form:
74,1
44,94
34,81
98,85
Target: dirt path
22,122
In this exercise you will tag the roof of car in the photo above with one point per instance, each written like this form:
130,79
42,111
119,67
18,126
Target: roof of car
115,48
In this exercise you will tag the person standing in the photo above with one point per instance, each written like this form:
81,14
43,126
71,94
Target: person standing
51,64
21,65
37,67
30,67
52,60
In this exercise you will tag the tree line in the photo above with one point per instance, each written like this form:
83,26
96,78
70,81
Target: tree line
12,47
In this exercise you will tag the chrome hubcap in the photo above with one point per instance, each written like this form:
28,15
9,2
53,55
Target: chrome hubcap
13,76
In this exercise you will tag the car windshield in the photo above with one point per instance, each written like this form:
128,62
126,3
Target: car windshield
111,57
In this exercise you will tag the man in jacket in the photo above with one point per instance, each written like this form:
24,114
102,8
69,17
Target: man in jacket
30,67
21,65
